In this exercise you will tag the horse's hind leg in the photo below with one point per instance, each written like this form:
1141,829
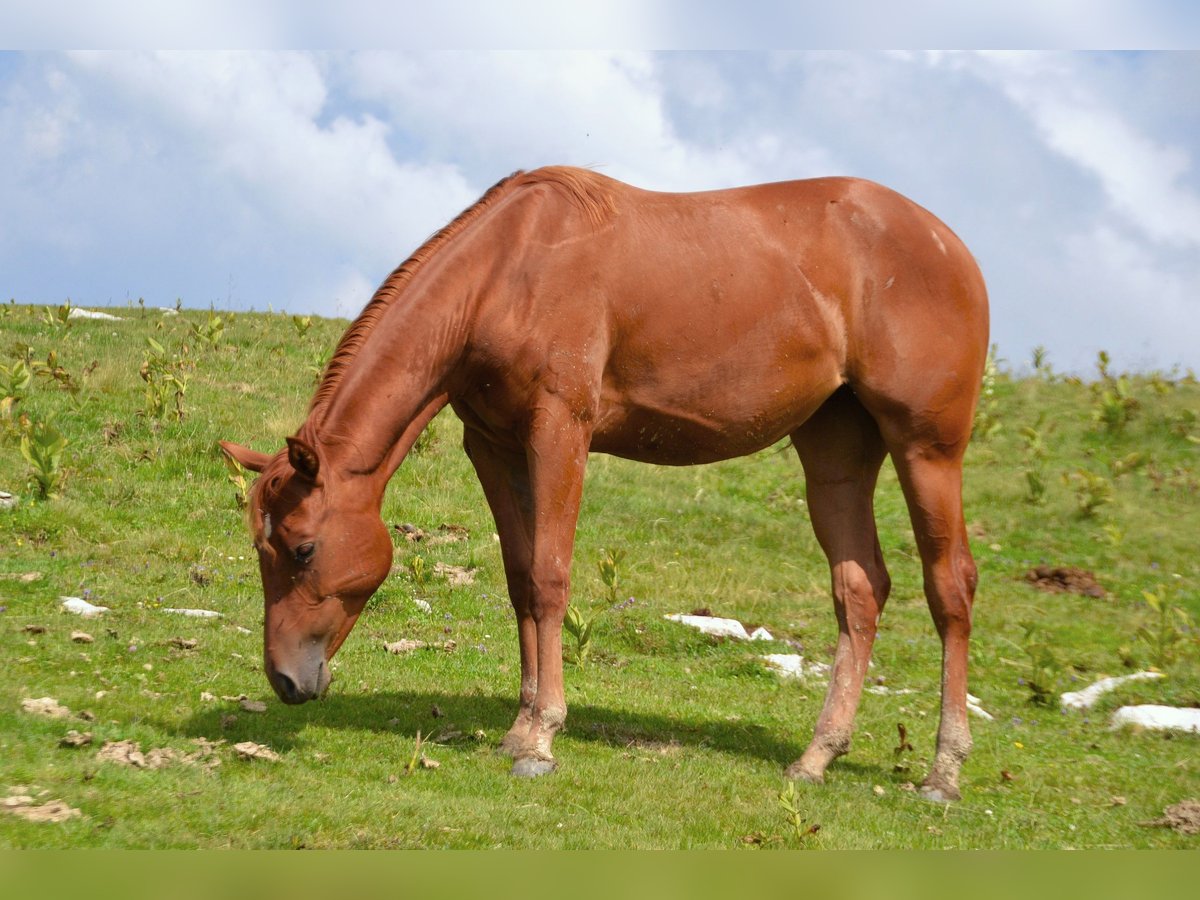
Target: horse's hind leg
841,450
931,476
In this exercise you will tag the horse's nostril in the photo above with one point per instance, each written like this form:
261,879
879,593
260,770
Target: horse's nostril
287,688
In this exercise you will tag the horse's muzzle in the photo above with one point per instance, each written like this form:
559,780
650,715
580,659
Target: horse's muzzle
298,686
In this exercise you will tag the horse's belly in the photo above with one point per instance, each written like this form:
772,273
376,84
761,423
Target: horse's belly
686,434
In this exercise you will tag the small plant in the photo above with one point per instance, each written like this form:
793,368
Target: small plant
1092,491
14,386
580,625
1168,630
418,571
42,447
320,360
1035,453
52,370
302,324
1041,365
1126,464
59,317
987,413
1113,402
792,815
165,380
210,332
1042,666
237,477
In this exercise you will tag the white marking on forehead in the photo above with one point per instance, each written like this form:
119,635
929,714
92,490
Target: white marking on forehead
266,526
937,240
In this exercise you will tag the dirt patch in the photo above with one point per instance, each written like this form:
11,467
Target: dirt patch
130,753
45,706
22,805
251,750
457,576
1183,817
1065,580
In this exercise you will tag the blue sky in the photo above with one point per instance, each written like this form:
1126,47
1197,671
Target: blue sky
298,180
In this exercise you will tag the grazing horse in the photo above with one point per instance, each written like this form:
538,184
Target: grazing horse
566,312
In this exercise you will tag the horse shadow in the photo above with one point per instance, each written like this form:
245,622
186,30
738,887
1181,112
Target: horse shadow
463,716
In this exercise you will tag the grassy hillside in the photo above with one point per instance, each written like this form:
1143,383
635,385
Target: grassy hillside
674,739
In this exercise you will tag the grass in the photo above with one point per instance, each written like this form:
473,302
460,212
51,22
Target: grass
674,740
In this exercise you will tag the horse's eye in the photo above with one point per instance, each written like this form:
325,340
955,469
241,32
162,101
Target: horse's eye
304,552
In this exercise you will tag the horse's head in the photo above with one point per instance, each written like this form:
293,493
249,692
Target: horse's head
322,550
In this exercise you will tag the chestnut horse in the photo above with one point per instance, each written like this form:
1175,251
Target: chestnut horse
566,312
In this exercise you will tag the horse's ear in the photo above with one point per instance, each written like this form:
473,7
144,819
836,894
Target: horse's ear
303,458
244,456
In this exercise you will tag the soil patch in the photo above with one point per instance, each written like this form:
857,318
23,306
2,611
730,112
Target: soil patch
1183,817
1065,580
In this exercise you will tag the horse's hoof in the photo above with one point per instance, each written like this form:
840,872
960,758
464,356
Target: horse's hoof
532,767
943,793
798,772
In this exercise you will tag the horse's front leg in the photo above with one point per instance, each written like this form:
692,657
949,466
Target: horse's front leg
557,457
535,499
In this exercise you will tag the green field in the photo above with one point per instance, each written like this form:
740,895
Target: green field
674,739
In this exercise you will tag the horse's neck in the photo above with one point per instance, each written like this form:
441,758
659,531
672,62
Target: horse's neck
394,386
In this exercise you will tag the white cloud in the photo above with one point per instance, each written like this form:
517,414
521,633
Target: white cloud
1142,177
501,111
300,180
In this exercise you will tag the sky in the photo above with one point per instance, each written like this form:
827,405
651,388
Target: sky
298,180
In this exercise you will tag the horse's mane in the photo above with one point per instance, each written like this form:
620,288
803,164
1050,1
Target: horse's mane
589,192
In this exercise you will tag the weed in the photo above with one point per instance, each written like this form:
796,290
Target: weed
320,359
792,815
14,386
165,379
1042,666
1168,629
1113,403
1041,365
418,571
987,413
237,477
52,370
42,446
210,332
58,317
302,324
1035,454
580,625
1092,491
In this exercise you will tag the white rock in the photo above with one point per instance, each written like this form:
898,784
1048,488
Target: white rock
721,627
883,690
973,706
195,613
7,500
1087,698
77,313
1159,718
792,665
81,607
422,605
